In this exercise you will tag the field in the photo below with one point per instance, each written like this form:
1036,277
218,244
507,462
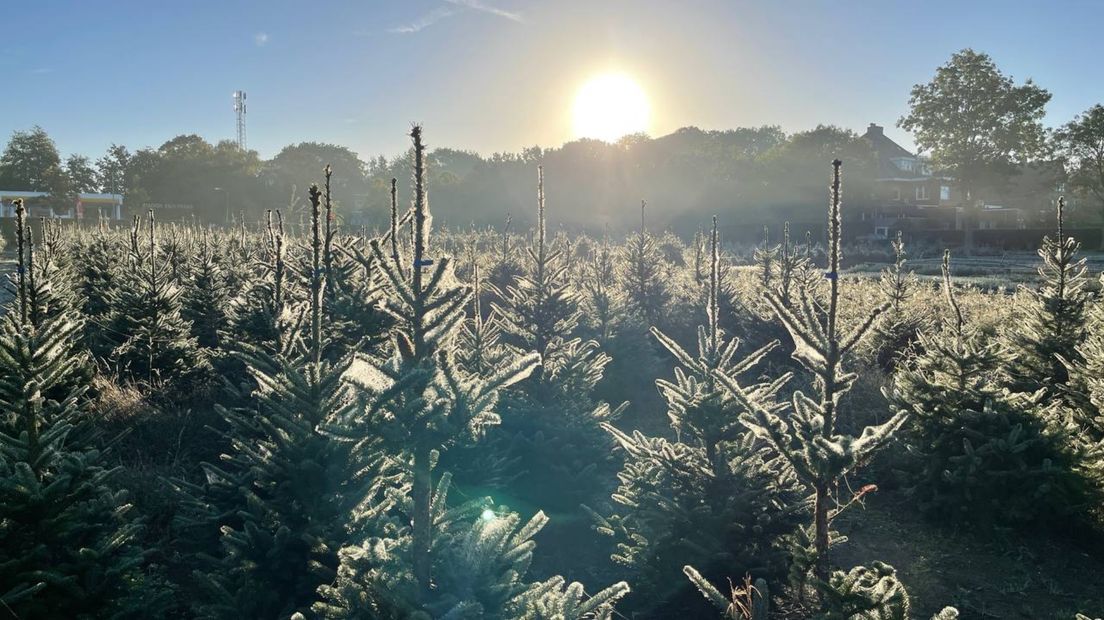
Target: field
267,421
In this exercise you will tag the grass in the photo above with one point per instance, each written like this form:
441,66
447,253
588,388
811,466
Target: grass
987,575
987,272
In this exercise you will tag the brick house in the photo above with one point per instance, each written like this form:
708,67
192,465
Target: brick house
910,196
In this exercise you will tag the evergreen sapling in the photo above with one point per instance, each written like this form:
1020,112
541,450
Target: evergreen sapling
808,437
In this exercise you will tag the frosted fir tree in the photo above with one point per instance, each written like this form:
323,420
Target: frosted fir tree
808,437
45,288
206,297
977,451
766,258
354,284
419,556
540,308
642,271
417,399
98,275
1087,376
279,495
714,497
606,319
260,313
479,345
505,267
480,351
869,593
700,410
69,536
698,246
897,331
155,344
792,266
747,602
603,300
863,593
479,572
52,285
551,417
1051,323
753,319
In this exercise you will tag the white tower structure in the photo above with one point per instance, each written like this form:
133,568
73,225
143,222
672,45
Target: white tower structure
239,112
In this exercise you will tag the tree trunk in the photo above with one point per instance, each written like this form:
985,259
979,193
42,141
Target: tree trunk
423,528
820,542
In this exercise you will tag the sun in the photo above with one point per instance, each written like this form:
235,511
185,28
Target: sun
610,106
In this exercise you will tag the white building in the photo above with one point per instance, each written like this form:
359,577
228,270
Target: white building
91,206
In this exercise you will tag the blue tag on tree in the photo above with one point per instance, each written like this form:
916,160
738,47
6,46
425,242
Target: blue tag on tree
831,275
425,262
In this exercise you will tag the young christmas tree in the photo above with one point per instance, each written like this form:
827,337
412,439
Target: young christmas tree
699,256
354,289
98,274
505,268
1087,376
551,418
714,497
748,602
205,296
863,593
278,497
418,400
642,271
479,345
155,344
766,260
635,359
977,451
68,534
897,331
49,287
1051,322
420,557
478,572
259,314
792,264
602,299
52,284
808,437
479,351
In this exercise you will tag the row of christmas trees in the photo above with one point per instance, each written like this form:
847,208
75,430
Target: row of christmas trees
356,382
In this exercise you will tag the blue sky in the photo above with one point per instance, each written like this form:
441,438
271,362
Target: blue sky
490,75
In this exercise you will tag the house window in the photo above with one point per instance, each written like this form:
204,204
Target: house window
921,192
881,231
904,163
896,193
944,192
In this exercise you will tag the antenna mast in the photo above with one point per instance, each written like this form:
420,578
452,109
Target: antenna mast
239,112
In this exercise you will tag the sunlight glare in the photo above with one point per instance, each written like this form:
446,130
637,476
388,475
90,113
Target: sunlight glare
610,106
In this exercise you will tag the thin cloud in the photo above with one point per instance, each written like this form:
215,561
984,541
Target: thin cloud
425,21
476,5
260,39
454,7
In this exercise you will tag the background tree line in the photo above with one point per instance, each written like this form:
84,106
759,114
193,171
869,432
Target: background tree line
972,121
683,175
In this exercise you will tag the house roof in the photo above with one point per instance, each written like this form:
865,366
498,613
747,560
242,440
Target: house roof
886,150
